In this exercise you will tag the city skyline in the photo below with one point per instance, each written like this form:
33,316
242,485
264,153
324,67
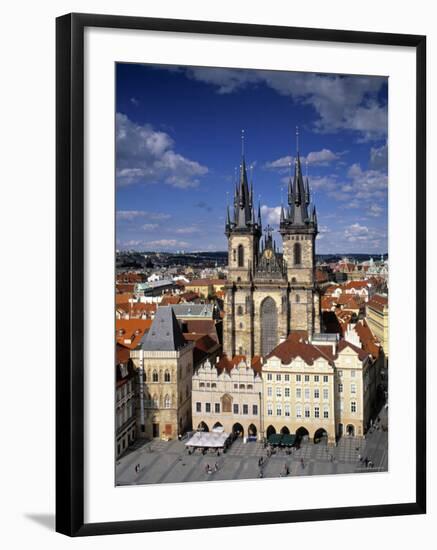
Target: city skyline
178,147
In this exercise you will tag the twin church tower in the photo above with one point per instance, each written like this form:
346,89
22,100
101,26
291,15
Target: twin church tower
269,294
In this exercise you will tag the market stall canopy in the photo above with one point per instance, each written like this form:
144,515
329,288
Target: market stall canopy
288,439
207,439
274,439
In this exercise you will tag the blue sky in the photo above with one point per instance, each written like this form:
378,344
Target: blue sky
178,144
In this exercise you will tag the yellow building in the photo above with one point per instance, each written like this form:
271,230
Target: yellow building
318,388
377,319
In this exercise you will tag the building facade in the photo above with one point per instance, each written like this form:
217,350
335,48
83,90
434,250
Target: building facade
164,366
125,414
227,395
317,388
377,319
269,294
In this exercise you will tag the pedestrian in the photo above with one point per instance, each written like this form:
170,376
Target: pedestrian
207,468
359,457
215,467
302,463
366,461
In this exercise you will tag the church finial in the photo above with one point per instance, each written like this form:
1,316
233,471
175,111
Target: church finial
242,143
297,140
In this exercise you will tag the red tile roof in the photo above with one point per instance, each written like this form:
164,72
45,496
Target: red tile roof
132,330
343,344
367,339
229,364
296,346
378,302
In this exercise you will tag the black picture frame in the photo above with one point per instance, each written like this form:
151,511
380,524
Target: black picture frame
70,273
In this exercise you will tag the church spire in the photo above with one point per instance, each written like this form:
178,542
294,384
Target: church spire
244,216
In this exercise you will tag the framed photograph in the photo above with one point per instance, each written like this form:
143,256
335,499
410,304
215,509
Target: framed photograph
240,274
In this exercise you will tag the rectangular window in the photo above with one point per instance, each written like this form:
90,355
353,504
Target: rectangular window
287,392
278,410
254,410
298,411
198,407
217,407
208,407
235,408
325,412
353,388
287,410
278,391
307,393
325,393
307,412
287,377
325,379
340,388
316,378
316,393
278,377
269,409
298,378
298,393
353,406
307,378
353,373
269,391
340,373
269,376
245,409
316,412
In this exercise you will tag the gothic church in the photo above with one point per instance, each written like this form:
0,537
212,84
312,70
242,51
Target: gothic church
268,294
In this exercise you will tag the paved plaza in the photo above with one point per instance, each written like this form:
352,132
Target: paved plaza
169,461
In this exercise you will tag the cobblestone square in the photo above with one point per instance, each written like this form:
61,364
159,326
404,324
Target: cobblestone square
169,462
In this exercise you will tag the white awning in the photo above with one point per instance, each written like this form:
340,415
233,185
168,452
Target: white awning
207,439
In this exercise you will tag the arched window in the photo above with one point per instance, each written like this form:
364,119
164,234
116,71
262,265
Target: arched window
167,376
240,310
167,402
155,376
269,326
240,255
297,253
155,401
297,298
241,325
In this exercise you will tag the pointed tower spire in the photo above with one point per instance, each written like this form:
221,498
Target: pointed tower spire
259,214
282,215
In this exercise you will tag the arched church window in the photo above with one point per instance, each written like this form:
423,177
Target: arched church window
241,325
167,376
234,255
240,310
240,255
297,253
297,299
269,326
155,376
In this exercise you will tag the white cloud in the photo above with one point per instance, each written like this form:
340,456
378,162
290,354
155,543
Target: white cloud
133,215
280,164
145,155
323,157
166,244
341,102
134,101
378,158
271,215
187,230
375,210
149,226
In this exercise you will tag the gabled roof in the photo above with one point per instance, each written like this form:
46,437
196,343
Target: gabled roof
299,347
165,333
343,344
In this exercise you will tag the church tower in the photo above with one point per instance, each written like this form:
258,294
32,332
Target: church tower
298,228
243,230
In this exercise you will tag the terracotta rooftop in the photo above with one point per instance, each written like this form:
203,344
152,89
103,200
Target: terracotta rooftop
297,346
229,364
129,332
378,302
